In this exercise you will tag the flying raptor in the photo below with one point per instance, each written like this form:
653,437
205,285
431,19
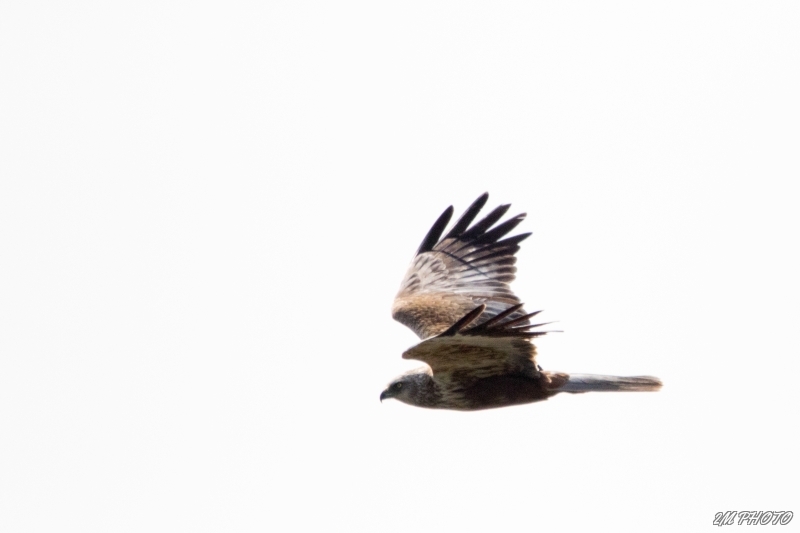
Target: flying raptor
476,336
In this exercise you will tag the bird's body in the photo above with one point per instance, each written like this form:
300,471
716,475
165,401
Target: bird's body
449,392
476,336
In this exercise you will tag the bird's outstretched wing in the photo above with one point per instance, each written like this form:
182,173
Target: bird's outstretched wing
499,346
451,276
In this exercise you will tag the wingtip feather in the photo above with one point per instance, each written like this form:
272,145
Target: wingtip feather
436,231
465,321
469,215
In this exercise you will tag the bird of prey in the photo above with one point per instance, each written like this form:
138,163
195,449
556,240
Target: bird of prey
476,336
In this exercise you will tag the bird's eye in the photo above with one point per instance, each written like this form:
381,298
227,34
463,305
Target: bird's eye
398,385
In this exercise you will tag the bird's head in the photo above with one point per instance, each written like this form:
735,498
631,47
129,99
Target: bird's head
413,387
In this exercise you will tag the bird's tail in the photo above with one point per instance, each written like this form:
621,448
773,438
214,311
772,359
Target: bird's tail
592,382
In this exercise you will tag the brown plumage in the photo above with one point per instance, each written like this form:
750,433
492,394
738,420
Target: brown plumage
456,296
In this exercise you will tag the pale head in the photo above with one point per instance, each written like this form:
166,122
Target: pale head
415,387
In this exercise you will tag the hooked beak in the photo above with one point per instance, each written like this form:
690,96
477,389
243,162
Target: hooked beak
385,394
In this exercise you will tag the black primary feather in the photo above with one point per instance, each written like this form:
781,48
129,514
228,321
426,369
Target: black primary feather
485,223
468,216
493,327
435,232
463,322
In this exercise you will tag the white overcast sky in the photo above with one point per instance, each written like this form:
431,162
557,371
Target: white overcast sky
206,210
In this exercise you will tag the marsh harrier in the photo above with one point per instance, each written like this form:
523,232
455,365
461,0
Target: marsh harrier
476,336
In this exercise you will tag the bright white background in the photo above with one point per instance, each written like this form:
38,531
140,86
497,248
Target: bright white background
206,210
